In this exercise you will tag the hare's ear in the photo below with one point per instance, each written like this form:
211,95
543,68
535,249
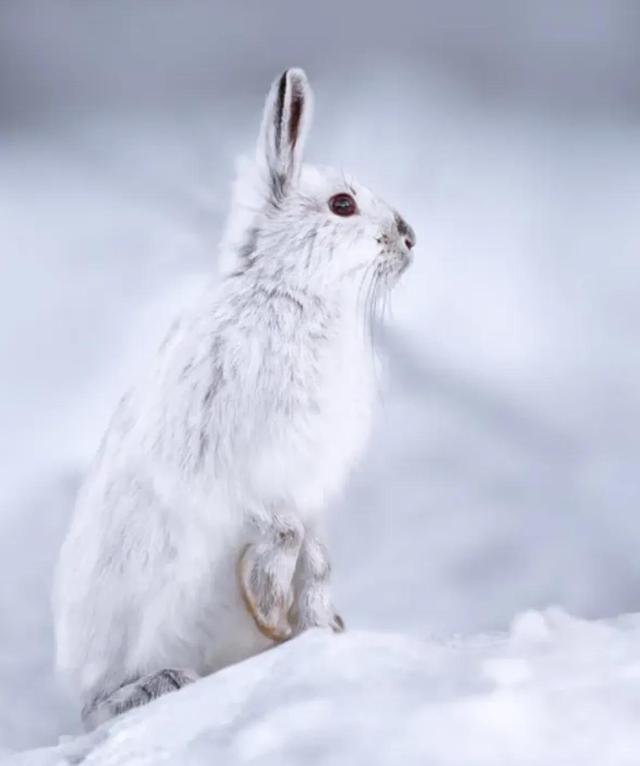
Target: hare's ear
287,115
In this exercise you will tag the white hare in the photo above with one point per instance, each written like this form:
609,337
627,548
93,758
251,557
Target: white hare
197,539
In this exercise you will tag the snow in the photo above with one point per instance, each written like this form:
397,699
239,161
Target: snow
503,472
555,689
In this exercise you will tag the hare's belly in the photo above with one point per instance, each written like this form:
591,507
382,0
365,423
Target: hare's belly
198,620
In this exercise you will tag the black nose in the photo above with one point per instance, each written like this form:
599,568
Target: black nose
406,232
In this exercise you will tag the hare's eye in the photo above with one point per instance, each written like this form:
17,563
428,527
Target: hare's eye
343,204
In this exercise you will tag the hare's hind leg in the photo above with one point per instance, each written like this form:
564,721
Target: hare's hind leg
134,694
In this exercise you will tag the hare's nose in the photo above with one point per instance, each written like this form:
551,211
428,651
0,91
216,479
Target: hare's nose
406,233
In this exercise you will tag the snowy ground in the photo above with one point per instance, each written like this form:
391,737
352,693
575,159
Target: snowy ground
503,473
555,690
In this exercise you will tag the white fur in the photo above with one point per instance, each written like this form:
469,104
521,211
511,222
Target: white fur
259,402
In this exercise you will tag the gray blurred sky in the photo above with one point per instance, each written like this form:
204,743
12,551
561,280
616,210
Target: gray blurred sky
60,57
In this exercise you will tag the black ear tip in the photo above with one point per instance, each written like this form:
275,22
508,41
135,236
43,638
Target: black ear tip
292,80
295,76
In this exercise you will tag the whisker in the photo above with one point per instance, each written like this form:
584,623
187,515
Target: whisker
363,296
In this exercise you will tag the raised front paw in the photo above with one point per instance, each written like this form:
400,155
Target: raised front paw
265,599
303,617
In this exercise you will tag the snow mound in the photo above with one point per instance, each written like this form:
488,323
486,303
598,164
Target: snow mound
554,690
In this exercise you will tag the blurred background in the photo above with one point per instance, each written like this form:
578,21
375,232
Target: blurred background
503,474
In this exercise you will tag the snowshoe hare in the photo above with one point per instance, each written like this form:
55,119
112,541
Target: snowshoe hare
197,536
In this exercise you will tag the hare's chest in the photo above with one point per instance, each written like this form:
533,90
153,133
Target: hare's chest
333,429
346,390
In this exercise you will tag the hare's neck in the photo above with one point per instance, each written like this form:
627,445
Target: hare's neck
281,279
342,304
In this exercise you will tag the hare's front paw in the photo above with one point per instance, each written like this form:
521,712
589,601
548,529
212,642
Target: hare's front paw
266,600
303,617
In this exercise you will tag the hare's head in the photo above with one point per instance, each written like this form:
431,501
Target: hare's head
312,223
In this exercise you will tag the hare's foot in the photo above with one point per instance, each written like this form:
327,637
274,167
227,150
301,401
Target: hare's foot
134,694
266,573
313,607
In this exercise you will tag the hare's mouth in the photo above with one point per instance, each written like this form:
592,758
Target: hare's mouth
405,260
394,260
393,263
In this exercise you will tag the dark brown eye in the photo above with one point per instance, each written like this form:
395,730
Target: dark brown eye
343,204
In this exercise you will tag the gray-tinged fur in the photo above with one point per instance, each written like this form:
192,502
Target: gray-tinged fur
197,537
